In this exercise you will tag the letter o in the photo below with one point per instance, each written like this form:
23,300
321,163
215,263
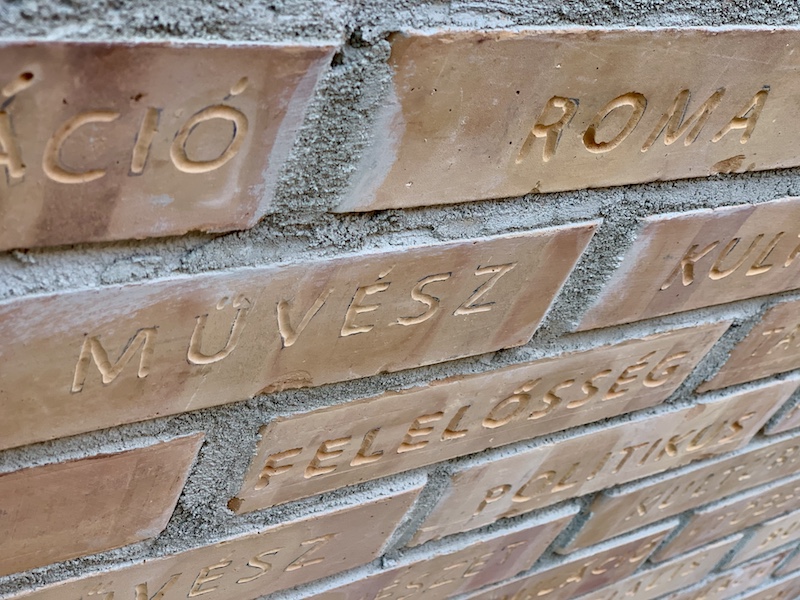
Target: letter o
633,99
178,150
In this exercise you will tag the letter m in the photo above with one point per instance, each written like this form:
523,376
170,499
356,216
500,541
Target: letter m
676,124
92,350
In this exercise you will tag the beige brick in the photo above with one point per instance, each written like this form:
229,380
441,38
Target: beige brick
91,359
252,565
404,430
734,515
769,536
702,258
108,141
788,589
492,114
772,346
640,504
443,575
587,462
733,581
678,573
581,573
65,510
791,565
789,421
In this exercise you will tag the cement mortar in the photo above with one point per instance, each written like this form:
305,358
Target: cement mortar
336,132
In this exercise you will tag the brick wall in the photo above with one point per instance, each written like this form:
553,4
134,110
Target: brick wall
348,301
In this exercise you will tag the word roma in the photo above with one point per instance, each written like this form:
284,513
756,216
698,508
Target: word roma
333,447
162,348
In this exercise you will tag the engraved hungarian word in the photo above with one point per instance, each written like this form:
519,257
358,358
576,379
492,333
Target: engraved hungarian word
643,503
772,346
769,536
732,516
492,559
190,142
580,574
555,471
252,565
505,113
732,582
786,589
93,359
333,447
702,258
669,576
112,500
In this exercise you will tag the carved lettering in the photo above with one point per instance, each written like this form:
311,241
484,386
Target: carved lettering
272,468
314,545
686,267
258,562
674,124
497,271
195,355
327,451
177,151
290,334
633,99
745,120
356,308
10,153
51,160
432,302
142,593
144,139
205,576
552,131
92,349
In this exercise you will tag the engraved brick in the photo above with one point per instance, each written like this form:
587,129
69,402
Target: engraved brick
582,573
493,559
640,504
555,471
787,589
91,359
789,421
769,536
108,141
404,430
59,511
732,582
252,565
702,258
734,515
772,346
505,113
678,573
791,565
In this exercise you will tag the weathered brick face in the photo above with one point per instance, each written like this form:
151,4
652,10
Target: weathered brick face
346,301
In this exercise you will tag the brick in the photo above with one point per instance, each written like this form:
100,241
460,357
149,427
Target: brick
639,504
494,558
733,581
405,430
109,141
64,510
91,359
731,516
787,589
772,346
703,258
581,573
791,565
678,573
493,114
788,421
770,535
234,569
555,471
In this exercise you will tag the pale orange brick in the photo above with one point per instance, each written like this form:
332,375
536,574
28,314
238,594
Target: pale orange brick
493,114
582,572
90,359
640,504
108,141
731,516
587,462
772,346
249,566
496,557
64,510
702,258
769,536
334,447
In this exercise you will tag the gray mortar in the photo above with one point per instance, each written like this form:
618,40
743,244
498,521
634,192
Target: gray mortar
336,132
